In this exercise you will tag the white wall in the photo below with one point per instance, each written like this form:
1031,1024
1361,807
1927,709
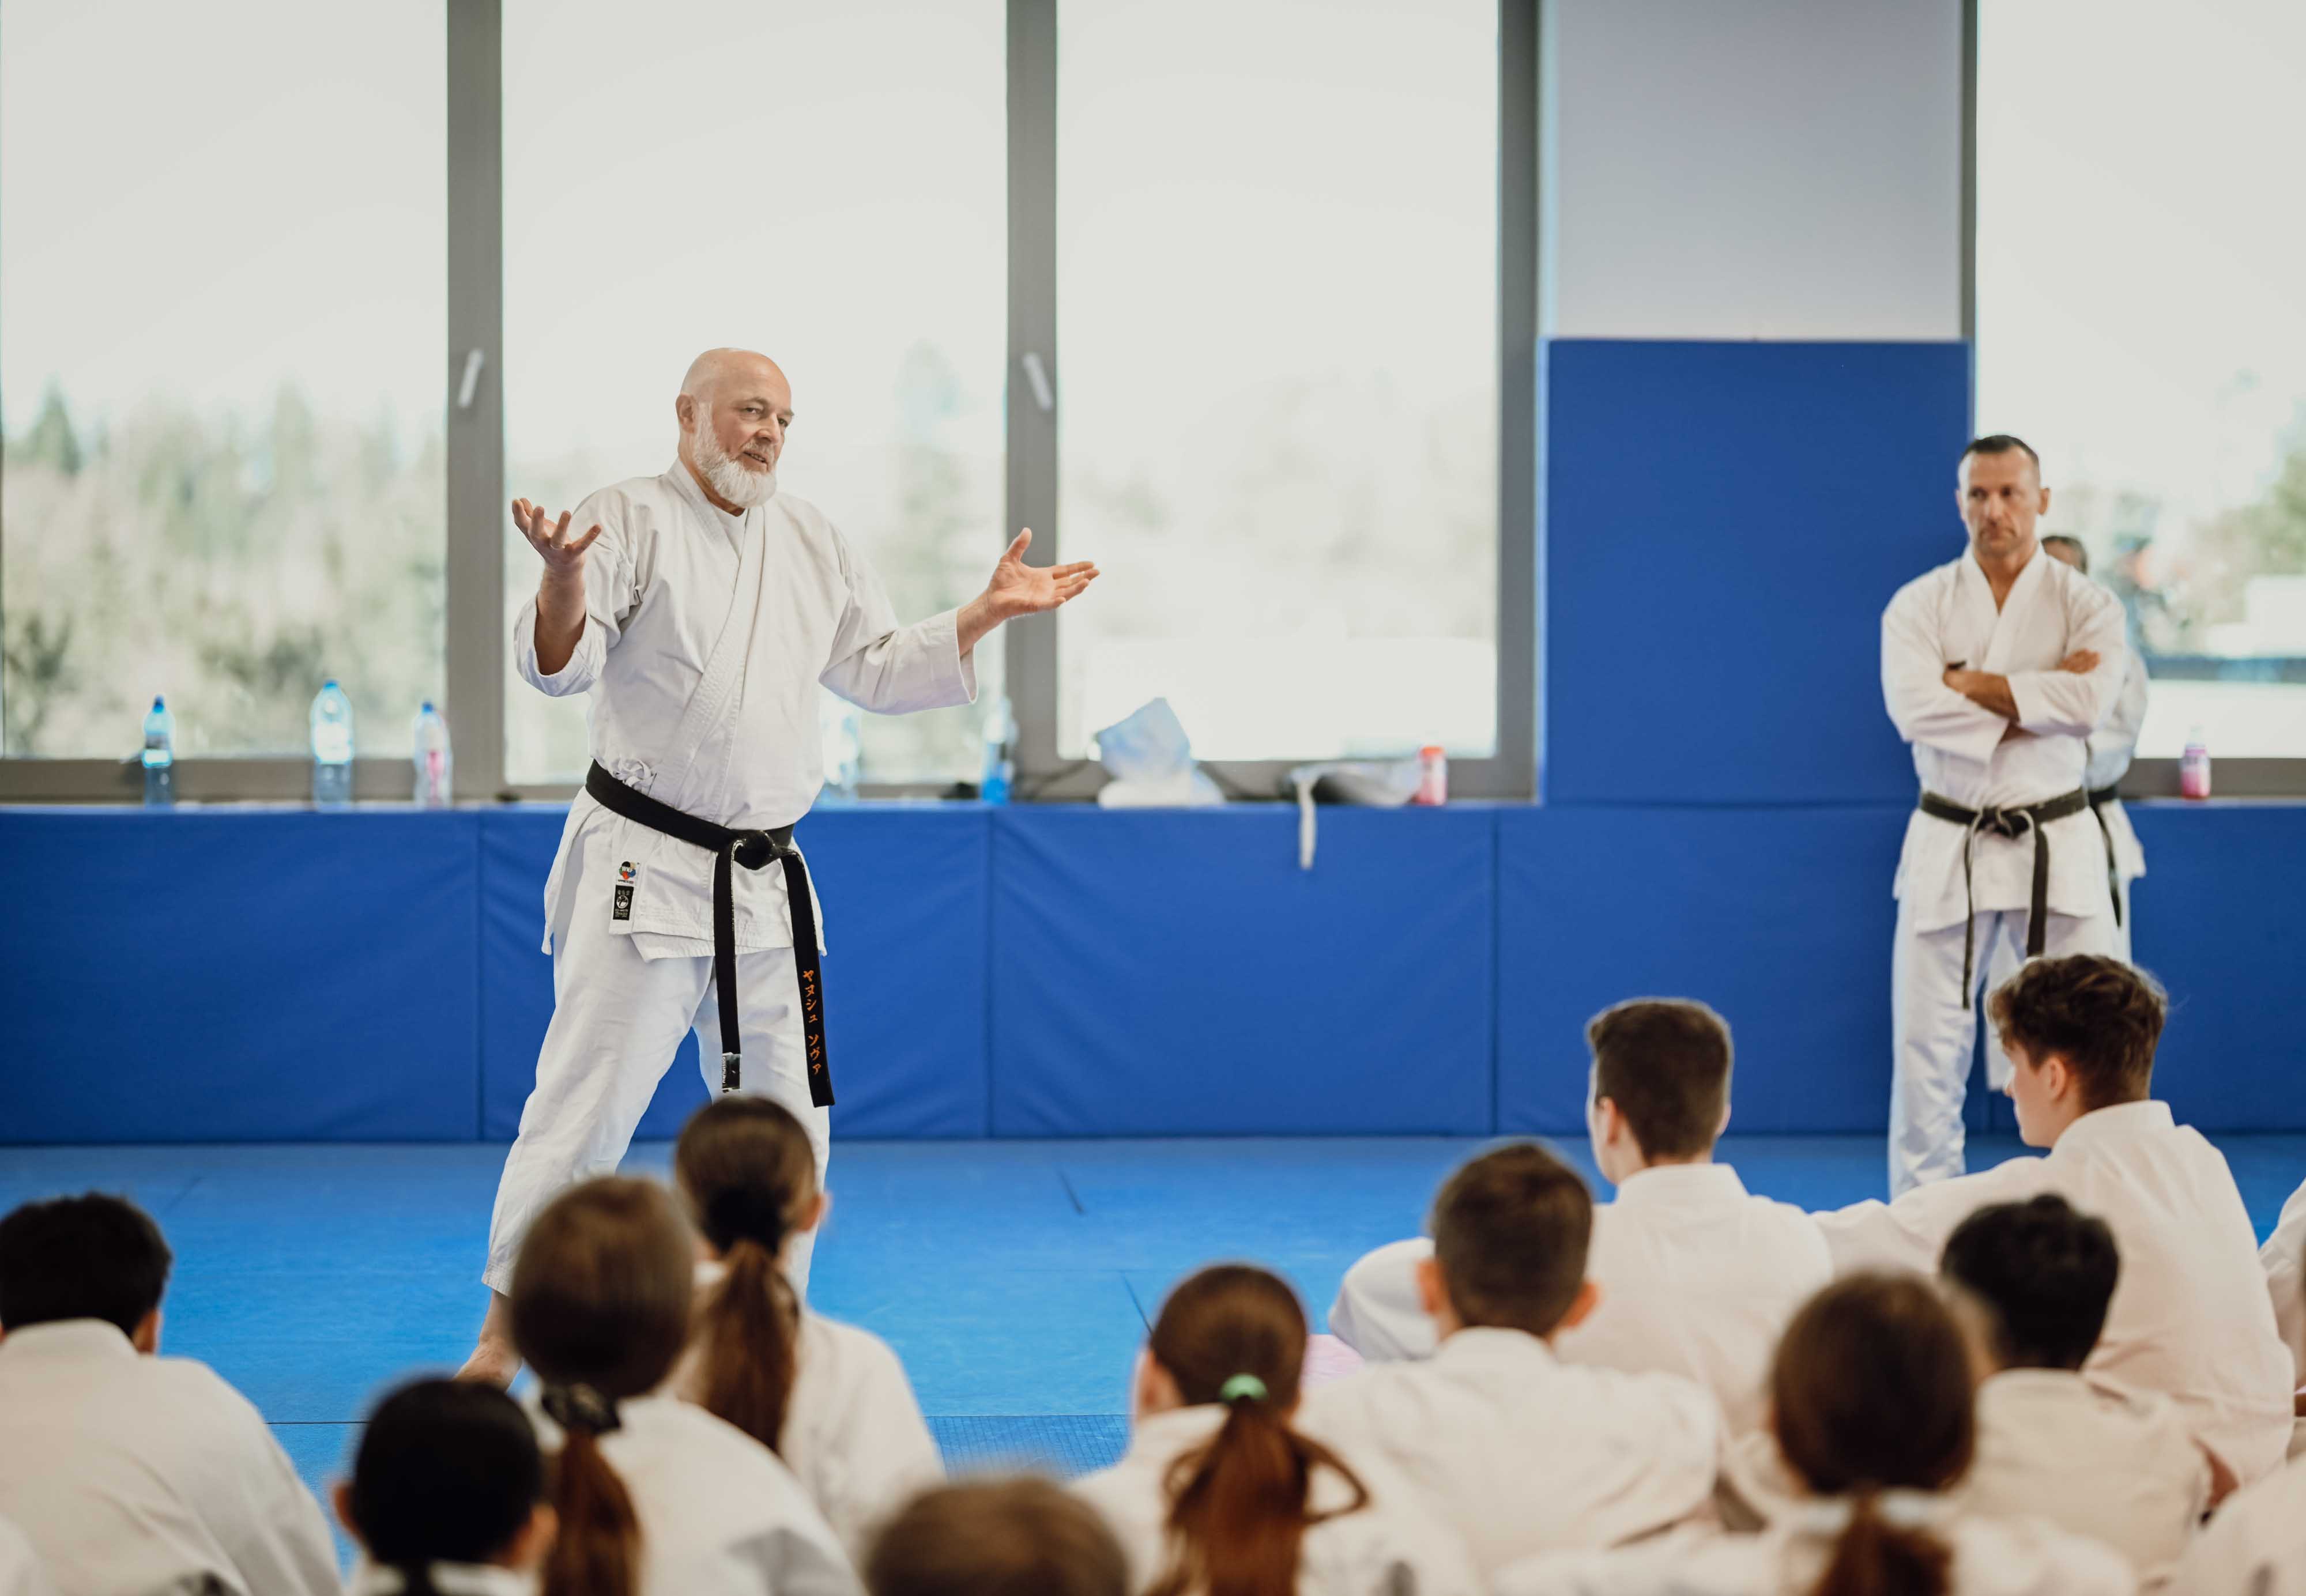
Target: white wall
1754,169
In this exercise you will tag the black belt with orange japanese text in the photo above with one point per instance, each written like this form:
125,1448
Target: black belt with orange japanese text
753,849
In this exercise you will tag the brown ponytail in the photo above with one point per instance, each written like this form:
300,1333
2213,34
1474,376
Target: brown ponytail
1240,1505
746,1171
1871,1393
599,1309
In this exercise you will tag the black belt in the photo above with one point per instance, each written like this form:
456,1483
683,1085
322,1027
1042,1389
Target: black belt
2099,798
752,849
2012,823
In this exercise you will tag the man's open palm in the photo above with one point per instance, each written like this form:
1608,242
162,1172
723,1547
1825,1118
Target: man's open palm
1020,589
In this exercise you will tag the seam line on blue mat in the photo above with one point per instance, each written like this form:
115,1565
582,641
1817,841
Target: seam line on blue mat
1073,1196
1135,1303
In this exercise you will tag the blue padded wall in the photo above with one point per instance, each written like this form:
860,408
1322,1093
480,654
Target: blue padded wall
2217,922
1723,524
242,975
1175,973
904,895
1780,918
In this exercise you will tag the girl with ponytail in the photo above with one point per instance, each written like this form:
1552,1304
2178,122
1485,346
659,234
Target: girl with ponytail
654,1498
447,1497
1872,1406
1220,1494
831,1400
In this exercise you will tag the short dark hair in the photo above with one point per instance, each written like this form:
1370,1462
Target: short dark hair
992,1537
1665,1062
2000,443
447,1471
2080,548
96,1255
2045,1270
1510,1231
2100,1015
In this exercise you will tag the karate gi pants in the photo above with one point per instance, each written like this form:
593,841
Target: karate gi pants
1933,1036
2007,958
617,1020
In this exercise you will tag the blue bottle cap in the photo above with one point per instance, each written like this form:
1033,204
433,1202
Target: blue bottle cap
157,702
424,708
327,683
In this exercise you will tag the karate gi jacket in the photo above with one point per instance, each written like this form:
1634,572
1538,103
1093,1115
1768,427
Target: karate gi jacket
1522,1452
705,638
1946,617
1395,1544
1698,1277
854,1437
2118,1467
2190,1317
136,1474
20,1571
1992,1557
719,1515
2256,1546
2110,750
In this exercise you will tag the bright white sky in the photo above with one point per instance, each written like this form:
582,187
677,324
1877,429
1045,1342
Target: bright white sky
2141,273
185,218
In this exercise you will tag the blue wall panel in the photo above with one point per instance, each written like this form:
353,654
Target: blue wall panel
904,895
212,975
2217,921
1177,973
1780,918
1723,524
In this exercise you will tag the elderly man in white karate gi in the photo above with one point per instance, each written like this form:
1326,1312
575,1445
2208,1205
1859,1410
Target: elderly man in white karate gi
701,609
1997,668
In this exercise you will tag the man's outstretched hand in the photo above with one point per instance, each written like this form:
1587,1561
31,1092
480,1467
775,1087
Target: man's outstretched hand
1019,588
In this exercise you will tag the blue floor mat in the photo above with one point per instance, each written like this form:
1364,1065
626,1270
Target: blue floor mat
1014,1278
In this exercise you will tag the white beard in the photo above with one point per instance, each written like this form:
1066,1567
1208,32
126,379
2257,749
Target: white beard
728,476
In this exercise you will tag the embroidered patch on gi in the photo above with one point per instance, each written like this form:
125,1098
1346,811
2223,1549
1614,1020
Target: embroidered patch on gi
624,910
625,871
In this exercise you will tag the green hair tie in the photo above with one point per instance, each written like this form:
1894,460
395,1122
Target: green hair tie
1242,1387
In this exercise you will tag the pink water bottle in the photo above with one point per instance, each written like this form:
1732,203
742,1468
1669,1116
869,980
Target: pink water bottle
1433,775
2194,768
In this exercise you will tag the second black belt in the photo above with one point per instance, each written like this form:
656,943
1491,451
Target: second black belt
2011,823
753,849
2099,798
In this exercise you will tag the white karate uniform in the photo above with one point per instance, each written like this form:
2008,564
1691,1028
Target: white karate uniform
1944,618
1524,1453
2111,747
1698,1277
854,1435
2256,1545
719,1515
1992,1557
2119,1467
2284,1258
20,1572
705,638
134,1473
1395,1544
2190,1317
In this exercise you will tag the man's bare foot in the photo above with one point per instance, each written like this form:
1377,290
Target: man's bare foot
493,1360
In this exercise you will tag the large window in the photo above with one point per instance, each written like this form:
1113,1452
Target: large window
2141,323
1277,302
222,313
822,182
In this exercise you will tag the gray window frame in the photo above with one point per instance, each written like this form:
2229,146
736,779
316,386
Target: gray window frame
475,636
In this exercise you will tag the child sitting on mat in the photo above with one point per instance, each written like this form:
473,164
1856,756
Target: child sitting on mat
1217,1479
447,1497
830,1399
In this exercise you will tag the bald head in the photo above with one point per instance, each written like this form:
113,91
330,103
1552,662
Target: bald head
733,409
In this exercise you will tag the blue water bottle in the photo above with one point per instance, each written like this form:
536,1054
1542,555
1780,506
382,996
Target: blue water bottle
332,747
159,755
1000,764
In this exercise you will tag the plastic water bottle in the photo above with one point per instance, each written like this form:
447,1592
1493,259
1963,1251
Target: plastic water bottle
159,755
332,747
1000,766
2194,767
1432,775
841,742
433,759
